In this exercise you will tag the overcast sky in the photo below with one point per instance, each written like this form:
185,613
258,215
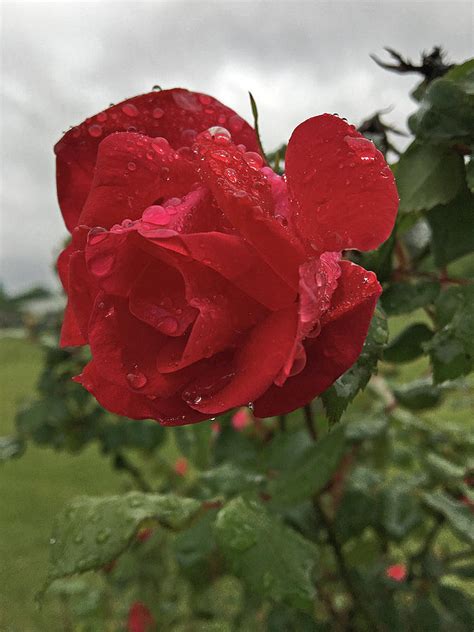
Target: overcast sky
64,61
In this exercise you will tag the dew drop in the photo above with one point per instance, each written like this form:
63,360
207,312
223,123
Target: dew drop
236,123
362,147
168,325
231,175
102,117
158,113
219,132
131,166
254,160
156,215
129,109
205,99
96,235
95,130
137,379
160,145
52,540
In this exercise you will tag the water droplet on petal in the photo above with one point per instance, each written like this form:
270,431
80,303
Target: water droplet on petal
129,109
168,325
231,175
52,540
95,130
220,132
254,160
236,123
205,99
96,235
131,166
362,147
158,113
156,215
160,145
102,117
136,379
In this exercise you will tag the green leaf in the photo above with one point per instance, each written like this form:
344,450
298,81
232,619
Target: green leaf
418,395
229,479
273,560
443,469
452,348
452,228
446,112
338,396
458,604
401,510
358,510
458,515
428,175
311,474
366,428
405,297
408,345
463,75
93,531
253,105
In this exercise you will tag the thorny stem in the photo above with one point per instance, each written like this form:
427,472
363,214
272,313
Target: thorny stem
122,463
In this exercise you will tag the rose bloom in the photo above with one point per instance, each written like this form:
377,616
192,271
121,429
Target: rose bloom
140,618
397,572
201,279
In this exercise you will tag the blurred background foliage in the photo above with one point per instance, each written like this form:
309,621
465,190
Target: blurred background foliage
355,513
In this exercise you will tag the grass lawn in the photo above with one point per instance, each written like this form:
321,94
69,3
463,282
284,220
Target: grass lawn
32,490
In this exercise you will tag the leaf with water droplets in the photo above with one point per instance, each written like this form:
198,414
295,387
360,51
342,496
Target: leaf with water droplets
272,559
93,531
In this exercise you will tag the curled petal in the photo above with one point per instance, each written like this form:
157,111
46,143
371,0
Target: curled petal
245,377
176,115
244,194
342,190
334,351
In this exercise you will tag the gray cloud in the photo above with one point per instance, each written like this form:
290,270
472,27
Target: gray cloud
64,61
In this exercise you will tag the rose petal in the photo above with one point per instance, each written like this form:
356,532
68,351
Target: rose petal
116,399
244,194
131,173
246,377
343,191
177,115
335,350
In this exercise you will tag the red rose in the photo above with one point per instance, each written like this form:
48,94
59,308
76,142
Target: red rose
202,280
397,572
140,618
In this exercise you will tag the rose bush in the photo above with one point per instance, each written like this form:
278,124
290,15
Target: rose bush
201,279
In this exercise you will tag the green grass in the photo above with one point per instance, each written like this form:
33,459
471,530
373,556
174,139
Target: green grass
32,490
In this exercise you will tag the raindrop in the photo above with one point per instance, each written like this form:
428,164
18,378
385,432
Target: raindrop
102,117
158,113
231,175
160,145
169,325
96,235
236,123
156,215
131,166
254,160
362,147
205,99
95,130
52,540
220,132
251,406
129,109
137,379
